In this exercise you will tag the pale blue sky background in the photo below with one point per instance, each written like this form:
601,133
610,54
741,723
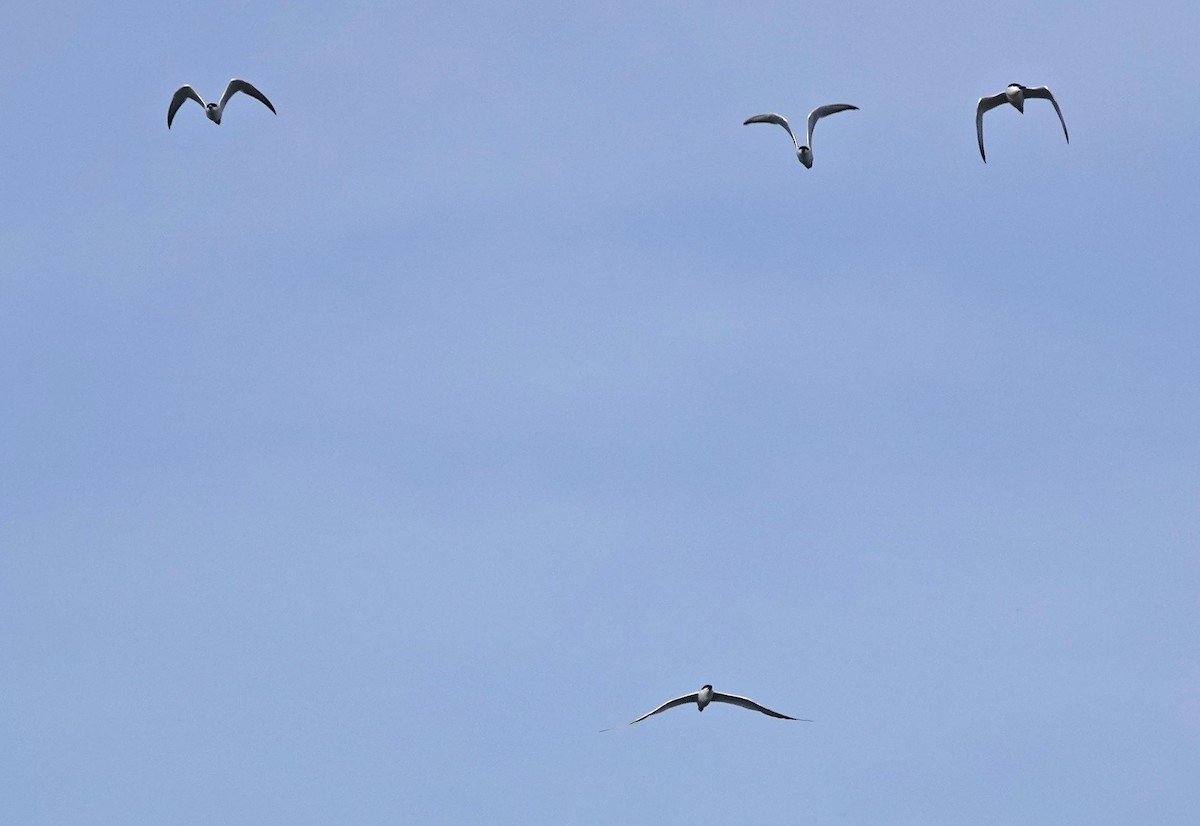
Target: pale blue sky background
359,464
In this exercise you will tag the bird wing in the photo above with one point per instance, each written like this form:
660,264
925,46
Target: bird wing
986,104
181,94
820,112
678,701
746,702
236,86
771,117
1043,92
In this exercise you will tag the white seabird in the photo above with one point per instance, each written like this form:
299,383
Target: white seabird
1015,94
804,153
214,110
705,696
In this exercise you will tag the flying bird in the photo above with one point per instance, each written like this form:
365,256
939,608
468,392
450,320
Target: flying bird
804,153
705,696
214,110
1015,94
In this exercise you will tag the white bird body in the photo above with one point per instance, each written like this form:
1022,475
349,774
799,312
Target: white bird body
803,153
1014,94
213,111
705,696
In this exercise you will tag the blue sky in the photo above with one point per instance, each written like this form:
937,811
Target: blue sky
359,464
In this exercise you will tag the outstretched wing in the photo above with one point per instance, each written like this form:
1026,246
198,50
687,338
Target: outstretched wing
986,104
1043,92
771,117
746,702
678,701
820,112
236,86
181,94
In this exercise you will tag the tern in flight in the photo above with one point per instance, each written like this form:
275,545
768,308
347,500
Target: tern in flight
1015,94
705,696
214,110
804,153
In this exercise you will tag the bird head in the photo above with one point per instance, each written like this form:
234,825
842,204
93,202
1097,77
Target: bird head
805,156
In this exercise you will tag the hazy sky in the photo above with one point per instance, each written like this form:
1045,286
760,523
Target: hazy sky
359,464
